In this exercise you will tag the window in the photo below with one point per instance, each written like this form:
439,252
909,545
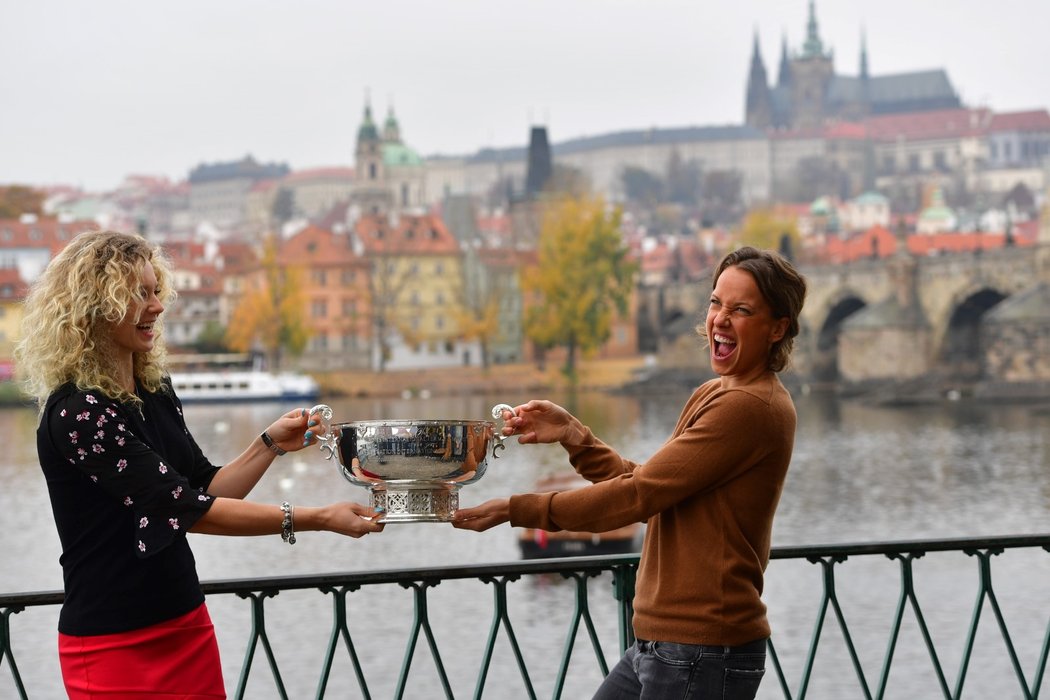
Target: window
349,307
348,277
319,308
913,162
320,277
372,171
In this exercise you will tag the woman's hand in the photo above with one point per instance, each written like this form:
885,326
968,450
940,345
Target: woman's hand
481,518
542,421
295,430
347,518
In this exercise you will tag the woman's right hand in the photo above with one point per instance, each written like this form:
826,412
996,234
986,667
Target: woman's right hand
543,421
351,519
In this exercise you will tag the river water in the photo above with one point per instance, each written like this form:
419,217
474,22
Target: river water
860,473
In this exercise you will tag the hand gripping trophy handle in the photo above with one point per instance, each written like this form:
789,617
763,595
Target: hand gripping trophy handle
497,413
329,440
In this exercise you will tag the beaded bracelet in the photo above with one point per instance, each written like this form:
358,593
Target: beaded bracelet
288,524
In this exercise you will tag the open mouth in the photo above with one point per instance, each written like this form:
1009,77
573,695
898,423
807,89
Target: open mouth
144,327
722,347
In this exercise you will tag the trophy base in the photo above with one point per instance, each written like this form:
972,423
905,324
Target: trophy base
423,503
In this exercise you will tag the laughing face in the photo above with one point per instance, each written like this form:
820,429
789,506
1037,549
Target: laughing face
741,329
135,331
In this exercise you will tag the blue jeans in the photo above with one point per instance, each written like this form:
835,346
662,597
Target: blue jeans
664,670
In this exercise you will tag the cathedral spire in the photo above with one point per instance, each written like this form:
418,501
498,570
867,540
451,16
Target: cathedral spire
863,55
784,73
814,47
758,108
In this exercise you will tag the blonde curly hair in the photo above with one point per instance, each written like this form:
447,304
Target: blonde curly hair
72,307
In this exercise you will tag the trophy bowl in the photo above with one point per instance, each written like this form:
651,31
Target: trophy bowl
413,469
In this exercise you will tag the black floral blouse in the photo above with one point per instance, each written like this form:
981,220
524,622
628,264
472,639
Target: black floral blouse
125,486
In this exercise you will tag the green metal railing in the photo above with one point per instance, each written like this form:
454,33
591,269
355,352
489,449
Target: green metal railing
622,568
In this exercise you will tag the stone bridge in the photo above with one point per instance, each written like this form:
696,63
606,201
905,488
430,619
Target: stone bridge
960,317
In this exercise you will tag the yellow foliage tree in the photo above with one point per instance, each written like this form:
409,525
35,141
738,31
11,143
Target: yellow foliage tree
582,278
270,314
764,228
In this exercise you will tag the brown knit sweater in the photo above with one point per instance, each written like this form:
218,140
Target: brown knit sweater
708,495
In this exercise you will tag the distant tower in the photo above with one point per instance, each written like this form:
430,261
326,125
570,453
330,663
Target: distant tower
811,74
865,75
540,167
758,110
391,129
369,154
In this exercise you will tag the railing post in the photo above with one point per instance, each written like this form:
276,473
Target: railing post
907,595
985,590
6,651
582,611
501,615
421,621
339,628
830,596
259,633
623,590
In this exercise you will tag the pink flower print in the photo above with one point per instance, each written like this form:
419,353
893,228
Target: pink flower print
94,478
74,436
97,448
174,522
163,468
100,435
102,420
203,497
128,501
143,522
83,416
82,452
177,492
142,546
62,413
90,399
120,440
120,427
110,411
122,464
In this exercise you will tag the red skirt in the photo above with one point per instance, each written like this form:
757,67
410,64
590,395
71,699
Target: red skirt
178,658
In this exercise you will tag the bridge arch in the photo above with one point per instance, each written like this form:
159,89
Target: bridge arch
825,361
961,350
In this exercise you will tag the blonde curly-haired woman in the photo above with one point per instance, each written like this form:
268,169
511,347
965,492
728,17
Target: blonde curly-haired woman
127,481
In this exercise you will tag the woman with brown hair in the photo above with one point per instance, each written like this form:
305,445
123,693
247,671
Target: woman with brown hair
708,495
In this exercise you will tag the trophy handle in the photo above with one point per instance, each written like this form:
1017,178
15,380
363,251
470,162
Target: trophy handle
497,413
329,440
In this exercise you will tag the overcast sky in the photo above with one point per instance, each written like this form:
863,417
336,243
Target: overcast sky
93,91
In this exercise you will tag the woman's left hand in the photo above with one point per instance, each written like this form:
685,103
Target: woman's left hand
481,518
295,430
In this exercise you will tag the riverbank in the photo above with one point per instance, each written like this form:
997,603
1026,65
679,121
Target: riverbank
513,380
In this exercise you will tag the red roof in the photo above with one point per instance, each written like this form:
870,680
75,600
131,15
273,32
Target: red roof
1032,120
45,232
938,124
409,235
333,172
318,246
882,242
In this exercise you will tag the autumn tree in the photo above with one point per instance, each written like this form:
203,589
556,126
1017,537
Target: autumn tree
270,314
764,228
389,278
16,200
582,278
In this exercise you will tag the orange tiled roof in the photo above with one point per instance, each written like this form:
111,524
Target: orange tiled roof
45,232
315,245
410,235
1031,120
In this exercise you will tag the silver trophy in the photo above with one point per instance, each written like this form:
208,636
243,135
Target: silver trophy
413,469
